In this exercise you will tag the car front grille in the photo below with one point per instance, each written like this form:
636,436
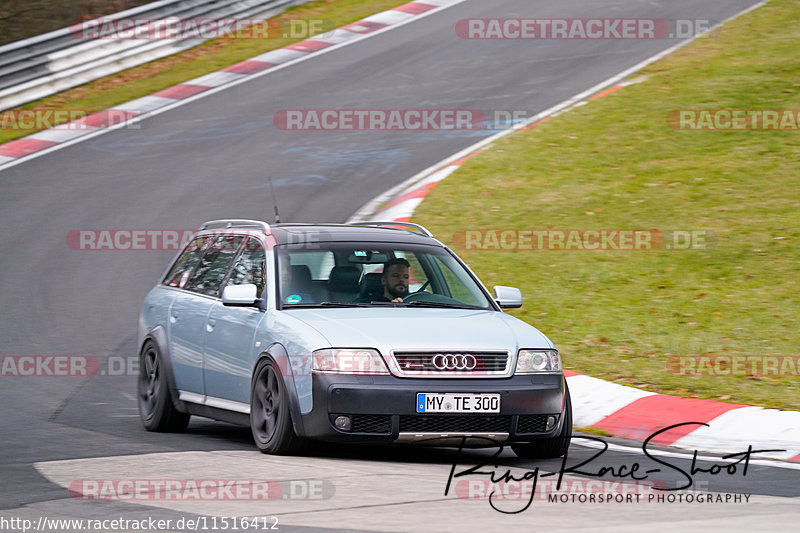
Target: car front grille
532,424
454,424
451,363
376,424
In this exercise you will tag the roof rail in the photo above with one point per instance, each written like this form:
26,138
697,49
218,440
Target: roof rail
408,225
236,223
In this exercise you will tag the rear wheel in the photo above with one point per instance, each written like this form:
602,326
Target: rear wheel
270,420
549,448
156,409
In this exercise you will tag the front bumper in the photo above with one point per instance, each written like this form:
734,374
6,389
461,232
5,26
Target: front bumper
383,409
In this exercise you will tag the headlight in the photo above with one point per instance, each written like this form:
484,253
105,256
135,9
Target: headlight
532,361
348,361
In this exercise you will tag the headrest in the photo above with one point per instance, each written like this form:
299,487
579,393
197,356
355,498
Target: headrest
344,279
371,285
301,276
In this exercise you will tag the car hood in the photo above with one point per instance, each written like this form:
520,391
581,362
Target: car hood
395,328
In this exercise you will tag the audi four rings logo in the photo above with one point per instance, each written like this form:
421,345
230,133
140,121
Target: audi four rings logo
454,362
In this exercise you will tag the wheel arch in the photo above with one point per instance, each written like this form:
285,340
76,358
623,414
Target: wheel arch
158,336
278,355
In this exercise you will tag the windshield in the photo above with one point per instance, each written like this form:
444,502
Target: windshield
370,275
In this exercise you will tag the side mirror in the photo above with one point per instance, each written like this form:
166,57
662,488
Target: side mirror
240,295
507,297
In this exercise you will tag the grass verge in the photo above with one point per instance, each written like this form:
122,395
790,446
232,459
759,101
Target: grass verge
591,430
616,164
208,57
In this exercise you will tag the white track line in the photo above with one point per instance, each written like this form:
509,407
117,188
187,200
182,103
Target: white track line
209,92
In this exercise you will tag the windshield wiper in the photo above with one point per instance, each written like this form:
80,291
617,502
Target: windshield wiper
325,304
422,303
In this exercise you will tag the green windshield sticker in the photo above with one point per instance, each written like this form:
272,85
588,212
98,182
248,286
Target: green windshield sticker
294,299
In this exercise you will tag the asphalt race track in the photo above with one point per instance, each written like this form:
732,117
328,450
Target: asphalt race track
210,159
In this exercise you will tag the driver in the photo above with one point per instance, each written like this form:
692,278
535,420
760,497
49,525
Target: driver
395,280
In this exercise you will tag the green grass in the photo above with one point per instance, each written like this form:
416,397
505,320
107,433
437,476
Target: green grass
208,57
615,163
591,430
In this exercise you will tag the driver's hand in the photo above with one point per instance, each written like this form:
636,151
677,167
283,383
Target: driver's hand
397,300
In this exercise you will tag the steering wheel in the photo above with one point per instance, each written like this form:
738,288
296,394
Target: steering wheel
409,297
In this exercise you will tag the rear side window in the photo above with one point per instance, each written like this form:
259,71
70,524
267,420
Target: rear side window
249,268
212,268
178,275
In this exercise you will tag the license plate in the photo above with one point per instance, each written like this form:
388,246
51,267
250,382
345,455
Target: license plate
457,403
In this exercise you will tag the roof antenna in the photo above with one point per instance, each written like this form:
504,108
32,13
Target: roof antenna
274,201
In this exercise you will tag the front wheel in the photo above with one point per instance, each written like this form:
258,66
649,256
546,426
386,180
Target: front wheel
156,409
550,448
270,420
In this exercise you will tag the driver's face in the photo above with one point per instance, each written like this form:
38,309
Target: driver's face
395,282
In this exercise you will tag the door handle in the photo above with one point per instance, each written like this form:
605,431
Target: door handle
173,317
210,325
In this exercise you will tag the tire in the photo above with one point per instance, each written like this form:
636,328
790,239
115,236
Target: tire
550,448
270,420
156,409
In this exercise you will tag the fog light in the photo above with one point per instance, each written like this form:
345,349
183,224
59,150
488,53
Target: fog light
343,423
551,423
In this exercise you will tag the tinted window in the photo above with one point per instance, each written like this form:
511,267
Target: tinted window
319,263
211,270
434,277
178,275
249,268
416,274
